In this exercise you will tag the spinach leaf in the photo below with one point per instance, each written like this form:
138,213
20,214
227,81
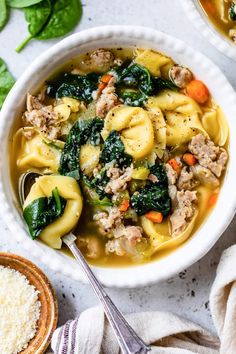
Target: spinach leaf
232,12
134,85
76,86
6,81
51,18
3,14
64,17
114,150
98,183
154,196
19,4
37,16
43,211
160,83
82,132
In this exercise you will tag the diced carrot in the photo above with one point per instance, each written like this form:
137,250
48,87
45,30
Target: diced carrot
101,86
213,199
124,205
154,216
106,78
174,164
198,91
189,159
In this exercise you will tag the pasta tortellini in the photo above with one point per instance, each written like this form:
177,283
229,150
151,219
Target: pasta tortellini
68,189
33,151
155,62
214,122
181,114
159,239
136,129
89,158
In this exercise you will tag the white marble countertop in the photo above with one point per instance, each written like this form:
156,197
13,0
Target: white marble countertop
187,293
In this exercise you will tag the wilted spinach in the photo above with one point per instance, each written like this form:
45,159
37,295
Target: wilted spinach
43,211
3,14
114,150
76,86
134,84
160,83
19,4
98,183
154,196
6,81
232,11
82,132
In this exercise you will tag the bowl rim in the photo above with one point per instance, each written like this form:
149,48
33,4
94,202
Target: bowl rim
203,25
181,258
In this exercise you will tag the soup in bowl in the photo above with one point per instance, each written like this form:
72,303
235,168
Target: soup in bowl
131,147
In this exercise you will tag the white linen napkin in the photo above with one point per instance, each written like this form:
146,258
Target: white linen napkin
90,333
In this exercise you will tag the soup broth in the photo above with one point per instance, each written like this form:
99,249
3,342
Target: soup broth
222,14
132,148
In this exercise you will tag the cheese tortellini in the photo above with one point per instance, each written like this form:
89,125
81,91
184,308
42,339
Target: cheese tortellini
182,115
135,127
68,189
214,122
156,63
32,151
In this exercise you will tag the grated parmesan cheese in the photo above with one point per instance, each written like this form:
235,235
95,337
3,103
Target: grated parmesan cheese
19,311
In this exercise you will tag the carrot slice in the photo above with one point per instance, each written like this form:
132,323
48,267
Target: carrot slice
174,164
106,78
189,159
213,199
154,216
124,205
198,91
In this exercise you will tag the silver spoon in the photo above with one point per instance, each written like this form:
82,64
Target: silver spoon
129,341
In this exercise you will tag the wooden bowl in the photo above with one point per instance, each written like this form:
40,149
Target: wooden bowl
49,309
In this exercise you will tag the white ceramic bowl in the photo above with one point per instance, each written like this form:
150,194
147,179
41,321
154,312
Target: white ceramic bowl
39,70
196,15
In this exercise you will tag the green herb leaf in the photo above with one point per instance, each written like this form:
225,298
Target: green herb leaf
6,81
82,132
160,83
37,16
64,17
114,150
3,14
76,86
154,196
232,12
19,4
43,211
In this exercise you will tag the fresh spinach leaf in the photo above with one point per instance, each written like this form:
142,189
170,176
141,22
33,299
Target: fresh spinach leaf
19,4
232,11
3,14
37,16
82,132
43,211
160,83
76,86
64,17
154,196
51,19
6,81
114,150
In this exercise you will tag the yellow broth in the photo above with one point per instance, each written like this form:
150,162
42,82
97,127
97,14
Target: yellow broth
218,13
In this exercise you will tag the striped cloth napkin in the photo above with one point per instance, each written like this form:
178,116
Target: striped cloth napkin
90,333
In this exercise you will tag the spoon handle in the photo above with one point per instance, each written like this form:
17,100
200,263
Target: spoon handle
129,341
